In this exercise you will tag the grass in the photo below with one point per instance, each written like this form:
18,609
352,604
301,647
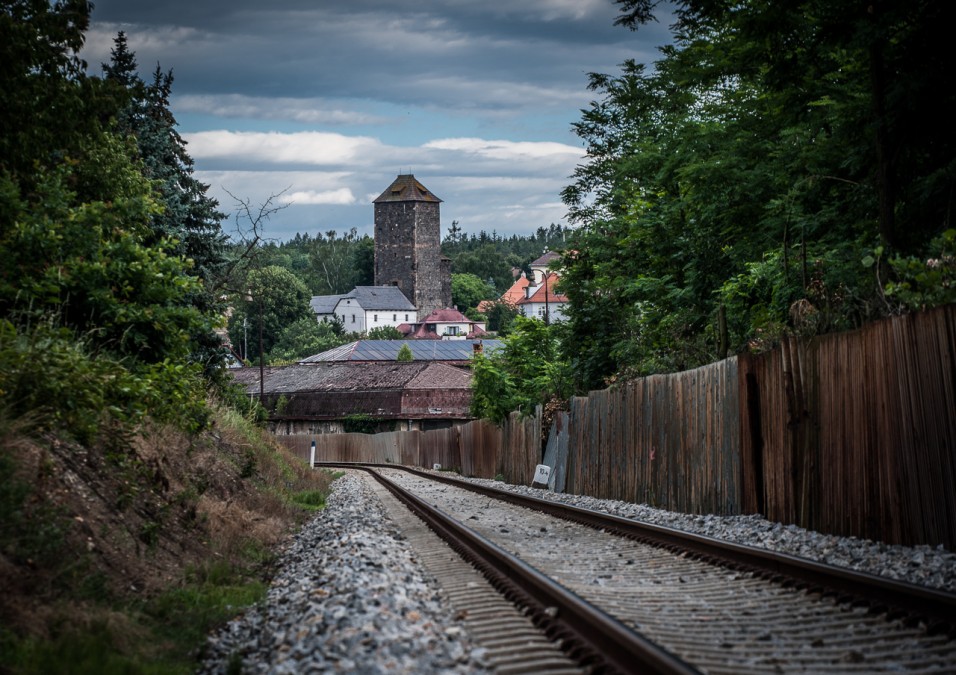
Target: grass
314,500
237,494
158,636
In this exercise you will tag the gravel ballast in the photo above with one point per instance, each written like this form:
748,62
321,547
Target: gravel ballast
350,595
922,565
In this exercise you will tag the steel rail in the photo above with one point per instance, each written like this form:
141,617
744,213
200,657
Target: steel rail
908,602
587,634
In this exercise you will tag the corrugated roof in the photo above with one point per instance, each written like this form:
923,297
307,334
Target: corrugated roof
406,188
387,350
380,297
352,377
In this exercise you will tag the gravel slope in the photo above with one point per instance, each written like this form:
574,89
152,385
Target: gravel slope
350,597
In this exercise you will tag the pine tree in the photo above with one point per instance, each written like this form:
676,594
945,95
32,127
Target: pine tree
190,217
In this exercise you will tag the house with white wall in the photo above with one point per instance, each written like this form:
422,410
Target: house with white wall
444,324
368,307
543,301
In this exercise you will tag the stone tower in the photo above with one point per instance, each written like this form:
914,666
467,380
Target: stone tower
408,245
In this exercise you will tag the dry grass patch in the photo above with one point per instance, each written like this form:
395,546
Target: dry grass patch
122,555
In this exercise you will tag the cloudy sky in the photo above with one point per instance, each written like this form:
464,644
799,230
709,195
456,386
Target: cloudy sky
323,103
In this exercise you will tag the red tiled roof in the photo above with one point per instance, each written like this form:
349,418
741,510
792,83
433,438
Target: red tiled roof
543,295
446,316
514,294
424,334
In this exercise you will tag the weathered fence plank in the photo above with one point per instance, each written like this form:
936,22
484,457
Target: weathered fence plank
855,433
667,440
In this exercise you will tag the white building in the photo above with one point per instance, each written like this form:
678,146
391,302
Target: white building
365,308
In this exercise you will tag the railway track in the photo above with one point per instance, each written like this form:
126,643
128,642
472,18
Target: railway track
622,596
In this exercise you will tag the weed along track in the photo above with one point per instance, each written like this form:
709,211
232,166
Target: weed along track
618,595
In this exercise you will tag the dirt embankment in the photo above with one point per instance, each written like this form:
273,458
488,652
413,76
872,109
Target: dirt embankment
85,530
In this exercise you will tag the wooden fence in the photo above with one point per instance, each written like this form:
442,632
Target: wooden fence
666,440
855,433
851,433
478,449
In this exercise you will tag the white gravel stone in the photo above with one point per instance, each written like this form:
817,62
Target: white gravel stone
922,565
350,597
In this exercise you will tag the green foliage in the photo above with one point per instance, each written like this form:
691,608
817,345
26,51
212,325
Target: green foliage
384,333
743,175
314,500
105,319
360,423
490,257
467,290
31,530
327,263
405,354
501,316
525,372
276,300
923,282
303,338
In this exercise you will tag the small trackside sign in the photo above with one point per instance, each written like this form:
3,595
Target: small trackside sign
542,474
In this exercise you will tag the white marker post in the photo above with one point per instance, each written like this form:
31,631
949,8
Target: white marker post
542,474
312,456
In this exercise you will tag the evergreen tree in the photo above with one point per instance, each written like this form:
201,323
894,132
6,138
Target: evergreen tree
189,219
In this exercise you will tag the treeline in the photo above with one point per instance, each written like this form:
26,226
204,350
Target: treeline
491,257
329,262
782,168
113,259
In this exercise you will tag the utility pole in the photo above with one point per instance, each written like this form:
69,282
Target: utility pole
262,367
547,307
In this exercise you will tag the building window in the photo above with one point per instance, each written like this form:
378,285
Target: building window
394,317
353,318
375,318
406,317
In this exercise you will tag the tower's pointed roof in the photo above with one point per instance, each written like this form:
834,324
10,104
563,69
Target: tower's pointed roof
406,188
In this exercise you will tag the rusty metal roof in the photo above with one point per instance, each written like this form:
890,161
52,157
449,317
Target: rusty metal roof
406,188
344,377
